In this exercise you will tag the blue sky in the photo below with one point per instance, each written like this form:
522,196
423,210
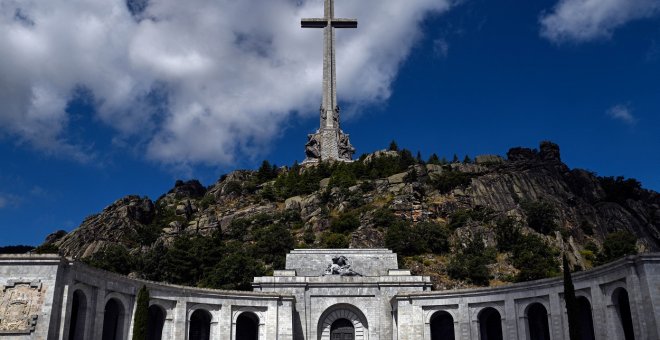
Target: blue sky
129,110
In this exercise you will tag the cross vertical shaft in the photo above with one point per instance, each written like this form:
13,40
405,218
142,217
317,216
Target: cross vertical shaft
329,147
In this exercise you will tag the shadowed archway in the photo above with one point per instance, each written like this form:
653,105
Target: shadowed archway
537,321
113,320
586,321
155,322
490,324
442,326
200,325
247,326
78,316
621,302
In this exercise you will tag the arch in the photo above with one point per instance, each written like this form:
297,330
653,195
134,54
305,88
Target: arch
621,302
585,317
200,325
78,315
342,329
343,311
113,320
155,322
537,322
442,326
490,324
247,326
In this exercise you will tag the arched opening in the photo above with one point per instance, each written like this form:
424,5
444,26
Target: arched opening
490,324
537,321
113,320
78,316
343,311
155,322
586,322
247,326
622,304
342,329
442,326
200,325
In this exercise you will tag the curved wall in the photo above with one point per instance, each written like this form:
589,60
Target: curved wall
41,290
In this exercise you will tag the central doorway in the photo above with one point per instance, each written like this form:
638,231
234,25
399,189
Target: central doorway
342,329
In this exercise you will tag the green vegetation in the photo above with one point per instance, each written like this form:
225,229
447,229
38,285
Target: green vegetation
331,240
619,189
617,245
424,237
114,258
449,180
141,314
534,258
529,253
541,216
47,249
15,249
460,218
471,263
345,223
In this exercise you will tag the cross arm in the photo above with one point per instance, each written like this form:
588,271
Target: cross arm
314,23
344,23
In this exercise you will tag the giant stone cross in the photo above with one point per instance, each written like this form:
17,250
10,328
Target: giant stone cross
329,142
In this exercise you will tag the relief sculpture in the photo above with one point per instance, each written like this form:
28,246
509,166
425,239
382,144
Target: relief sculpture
20,304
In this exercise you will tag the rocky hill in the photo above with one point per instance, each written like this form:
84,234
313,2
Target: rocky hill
477,222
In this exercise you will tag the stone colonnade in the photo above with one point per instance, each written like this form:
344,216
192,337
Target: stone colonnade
617,301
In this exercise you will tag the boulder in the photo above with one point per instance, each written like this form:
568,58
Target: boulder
293,203
488,159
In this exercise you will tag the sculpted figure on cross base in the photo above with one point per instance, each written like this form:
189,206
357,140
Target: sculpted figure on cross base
346,150
313,146
341,267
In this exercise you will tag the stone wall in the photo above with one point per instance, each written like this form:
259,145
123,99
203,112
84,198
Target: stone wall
38,292
639,276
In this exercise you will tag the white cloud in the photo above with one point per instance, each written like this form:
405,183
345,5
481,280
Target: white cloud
586,20
231,71
622,113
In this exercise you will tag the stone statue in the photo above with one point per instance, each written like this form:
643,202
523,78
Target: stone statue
346,150
313,146
341,267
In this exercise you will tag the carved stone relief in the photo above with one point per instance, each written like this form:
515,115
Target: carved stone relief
20,305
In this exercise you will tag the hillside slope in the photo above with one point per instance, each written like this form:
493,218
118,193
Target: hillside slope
448,220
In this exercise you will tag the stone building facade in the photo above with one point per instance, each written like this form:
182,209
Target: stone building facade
325,294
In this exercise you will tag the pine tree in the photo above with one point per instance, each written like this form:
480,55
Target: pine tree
571,302
141,315
455,159
434,159
394,146
467,159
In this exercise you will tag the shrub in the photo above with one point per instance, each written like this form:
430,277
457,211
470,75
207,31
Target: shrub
334,240
460,218
534,258
384,217
449,180
266,172
345,223
471,263
48,248
541,216
507,233
424,237
114,258
273,243
617,245
235,271
619,189
233,187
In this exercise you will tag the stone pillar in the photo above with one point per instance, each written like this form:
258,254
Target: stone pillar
556,323
180,320
509,326
463,319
